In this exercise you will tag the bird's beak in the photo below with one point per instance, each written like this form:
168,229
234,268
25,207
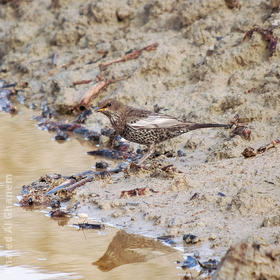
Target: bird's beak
101,109
98,109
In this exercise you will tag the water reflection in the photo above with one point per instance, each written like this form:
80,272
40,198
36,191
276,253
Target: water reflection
130,248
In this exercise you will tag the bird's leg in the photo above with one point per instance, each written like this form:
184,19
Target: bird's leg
151,150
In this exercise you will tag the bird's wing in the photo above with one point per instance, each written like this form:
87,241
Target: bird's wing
156,121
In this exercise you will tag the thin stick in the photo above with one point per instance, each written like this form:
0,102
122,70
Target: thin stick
81,82
93,92
79,183
133,55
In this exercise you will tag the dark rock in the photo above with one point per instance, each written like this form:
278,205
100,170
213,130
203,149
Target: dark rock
101,165
181,153
221,194
190,239
189,262
61,136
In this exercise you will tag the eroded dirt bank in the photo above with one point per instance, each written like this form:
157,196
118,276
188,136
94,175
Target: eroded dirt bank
201,70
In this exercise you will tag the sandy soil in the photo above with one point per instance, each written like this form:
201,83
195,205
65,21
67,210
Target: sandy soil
201,71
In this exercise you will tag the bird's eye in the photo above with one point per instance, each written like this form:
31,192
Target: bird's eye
109,104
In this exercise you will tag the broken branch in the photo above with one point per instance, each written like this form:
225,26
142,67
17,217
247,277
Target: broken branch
79,183
251,152
82,82
101,84
137,192
133,55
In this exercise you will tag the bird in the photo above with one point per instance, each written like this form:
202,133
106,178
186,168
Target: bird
146,127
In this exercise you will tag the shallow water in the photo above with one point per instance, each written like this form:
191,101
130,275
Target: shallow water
34,246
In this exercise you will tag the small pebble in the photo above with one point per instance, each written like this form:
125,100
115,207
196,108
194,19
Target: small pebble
32,106
61,136
180,153
55,204
190,238
221,194
101,165
189,262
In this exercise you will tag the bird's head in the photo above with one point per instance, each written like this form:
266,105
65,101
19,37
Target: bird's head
109,106
114,110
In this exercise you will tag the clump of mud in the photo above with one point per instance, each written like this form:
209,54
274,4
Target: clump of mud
249,261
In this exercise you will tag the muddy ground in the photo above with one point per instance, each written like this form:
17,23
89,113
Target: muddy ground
202,70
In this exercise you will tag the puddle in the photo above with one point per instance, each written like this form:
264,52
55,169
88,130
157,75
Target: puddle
34,246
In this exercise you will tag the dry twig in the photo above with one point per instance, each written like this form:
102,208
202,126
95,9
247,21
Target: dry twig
101,84
137,192
81,82
251,152
133,55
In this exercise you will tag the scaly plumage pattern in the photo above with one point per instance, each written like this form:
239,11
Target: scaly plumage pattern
146,127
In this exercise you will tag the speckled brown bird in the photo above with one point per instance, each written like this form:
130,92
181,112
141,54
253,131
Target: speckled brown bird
146,127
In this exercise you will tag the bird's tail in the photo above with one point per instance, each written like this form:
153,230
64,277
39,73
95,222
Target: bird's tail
206,125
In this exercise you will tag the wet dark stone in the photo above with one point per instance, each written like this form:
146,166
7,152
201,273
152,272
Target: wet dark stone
189,262
80,130
6,106
105,153
24,190
55,204
89,226
107,131
92,136
211,264
83,116
32,106
66,126
10,85
167,239
46,111
101,165
114,154
61,136
87,134
5,103
190,238
58,213
30,201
